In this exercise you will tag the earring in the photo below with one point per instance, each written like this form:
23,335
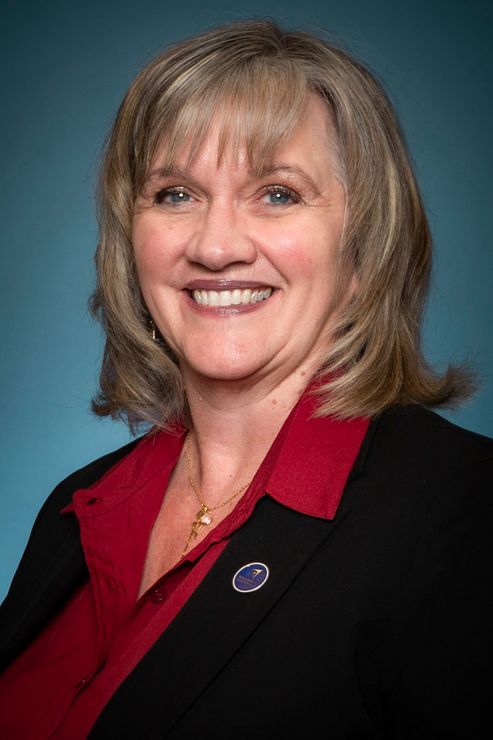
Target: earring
152,327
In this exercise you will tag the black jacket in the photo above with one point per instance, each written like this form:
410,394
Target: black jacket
374,625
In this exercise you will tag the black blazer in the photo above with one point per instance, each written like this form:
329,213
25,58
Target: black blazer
374,625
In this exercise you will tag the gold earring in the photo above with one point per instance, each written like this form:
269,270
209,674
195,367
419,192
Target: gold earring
152,327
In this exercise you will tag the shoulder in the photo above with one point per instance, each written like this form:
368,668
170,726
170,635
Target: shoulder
82,478
52,563
416,466
49,526
427,429
416,440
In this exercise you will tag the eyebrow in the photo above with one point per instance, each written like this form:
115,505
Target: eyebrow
262,173
172,171
290,170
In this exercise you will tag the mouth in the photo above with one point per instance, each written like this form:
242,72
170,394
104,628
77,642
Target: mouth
233,294
235,297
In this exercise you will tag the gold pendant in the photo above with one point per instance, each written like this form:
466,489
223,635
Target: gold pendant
203,518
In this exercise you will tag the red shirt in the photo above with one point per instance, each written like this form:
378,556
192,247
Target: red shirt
58,686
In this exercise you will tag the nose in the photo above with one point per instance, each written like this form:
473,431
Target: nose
221,239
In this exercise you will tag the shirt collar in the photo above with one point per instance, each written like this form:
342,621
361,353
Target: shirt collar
305,469
314,459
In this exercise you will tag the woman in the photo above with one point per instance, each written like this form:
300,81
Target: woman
296,543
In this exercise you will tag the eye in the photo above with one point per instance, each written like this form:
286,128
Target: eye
172,197
278,195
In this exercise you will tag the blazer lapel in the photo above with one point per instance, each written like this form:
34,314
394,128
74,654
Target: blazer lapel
214,623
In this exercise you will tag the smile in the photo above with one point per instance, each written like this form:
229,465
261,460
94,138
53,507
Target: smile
236,297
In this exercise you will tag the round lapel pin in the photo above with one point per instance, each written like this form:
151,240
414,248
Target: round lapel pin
250,577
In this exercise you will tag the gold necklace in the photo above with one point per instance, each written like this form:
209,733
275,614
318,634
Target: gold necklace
203,516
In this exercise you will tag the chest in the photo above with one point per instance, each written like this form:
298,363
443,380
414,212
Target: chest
180,526
310,637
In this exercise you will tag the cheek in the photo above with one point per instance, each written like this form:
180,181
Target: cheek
153,246
305,250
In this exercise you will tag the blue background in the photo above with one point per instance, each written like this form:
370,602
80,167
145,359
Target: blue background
65,69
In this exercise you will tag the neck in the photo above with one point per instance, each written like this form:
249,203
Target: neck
234,425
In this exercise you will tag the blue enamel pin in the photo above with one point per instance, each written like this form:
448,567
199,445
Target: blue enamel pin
250,577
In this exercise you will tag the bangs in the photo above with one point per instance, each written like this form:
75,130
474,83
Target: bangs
257,106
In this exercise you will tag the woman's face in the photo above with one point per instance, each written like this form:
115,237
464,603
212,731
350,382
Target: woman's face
238,270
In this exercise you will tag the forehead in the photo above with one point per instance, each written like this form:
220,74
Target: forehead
259,144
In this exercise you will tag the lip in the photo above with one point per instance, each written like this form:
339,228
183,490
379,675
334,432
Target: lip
224,284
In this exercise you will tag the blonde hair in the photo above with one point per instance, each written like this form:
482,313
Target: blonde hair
264,74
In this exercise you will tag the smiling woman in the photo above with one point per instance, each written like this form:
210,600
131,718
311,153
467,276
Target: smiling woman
294,526
240,99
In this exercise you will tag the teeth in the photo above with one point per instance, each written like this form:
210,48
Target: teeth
225,298
230,297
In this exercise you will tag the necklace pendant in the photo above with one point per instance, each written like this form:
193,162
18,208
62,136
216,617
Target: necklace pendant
203,516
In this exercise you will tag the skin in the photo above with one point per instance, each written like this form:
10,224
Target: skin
211,223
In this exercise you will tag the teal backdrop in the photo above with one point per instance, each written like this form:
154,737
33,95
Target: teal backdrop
65,68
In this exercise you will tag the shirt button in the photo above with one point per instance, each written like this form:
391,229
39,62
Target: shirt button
157,595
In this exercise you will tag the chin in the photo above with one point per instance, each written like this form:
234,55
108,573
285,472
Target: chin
226,369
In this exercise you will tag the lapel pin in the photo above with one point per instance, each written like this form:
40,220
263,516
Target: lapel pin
250,577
